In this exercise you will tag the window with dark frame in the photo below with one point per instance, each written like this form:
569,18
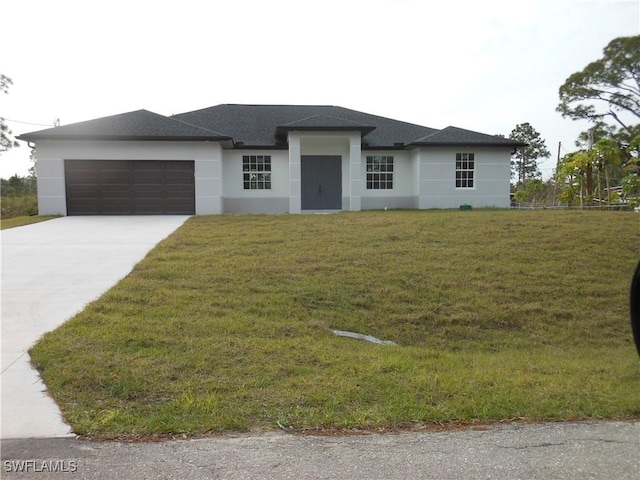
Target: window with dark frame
465,168
379,172
256,172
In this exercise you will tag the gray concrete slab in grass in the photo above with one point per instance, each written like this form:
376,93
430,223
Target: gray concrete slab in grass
50,272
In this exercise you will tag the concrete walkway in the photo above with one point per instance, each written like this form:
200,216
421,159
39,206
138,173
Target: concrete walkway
50,271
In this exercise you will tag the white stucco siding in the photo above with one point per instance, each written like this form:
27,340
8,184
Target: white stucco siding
404,191
52,198
239,200
492,175
207,158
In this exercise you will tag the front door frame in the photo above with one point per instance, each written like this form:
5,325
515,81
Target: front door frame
321,182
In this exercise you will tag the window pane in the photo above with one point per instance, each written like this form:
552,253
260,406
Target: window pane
378,176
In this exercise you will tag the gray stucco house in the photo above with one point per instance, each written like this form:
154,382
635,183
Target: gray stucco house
264,159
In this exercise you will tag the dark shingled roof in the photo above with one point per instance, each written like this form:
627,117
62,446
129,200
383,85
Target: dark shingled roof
256,125
323,123
326,121
264,126
138,125
460,136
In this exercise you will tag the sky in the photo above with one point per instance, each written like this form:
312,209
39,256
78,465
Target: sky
480,65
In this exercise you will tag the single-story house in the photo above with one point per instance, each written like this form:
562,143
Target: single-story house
264,159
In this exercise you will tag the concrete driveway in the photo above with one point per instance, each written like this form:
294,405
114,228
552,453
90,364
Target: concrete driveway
50,271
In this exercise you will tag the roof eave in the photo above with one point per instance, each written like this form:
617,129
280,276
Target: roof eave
187,138
395,146
364,130
466,144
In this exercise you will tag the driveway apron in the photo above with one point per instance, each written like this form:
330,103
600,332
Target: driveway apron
50,272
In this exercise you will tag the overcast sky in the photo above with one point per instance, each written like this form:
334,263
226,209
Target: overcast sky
480,65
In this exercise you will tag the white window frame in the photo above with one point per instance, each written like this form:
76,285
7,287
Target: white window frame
379,174
465,176
256,172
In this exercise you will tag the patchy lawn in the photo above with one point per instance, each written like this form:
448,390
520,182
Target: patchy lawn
24,220
225,326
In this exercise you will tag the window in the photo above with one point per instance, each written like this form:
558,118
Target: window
379,172
256,172
465,166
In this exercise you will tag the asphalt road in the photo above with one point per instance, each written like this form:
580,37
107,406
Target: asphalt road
580,450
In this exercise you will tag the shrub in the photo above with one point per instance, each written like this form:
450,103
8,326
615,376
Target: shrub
19,206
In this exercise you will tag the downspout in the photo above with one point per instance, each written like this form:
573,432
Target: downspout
32,146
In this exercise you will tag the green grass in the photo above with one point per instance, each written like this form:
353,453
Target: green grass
24,220
225,325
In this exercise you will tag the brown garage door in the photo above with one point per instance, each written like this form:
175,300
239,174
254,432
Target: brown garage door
129,187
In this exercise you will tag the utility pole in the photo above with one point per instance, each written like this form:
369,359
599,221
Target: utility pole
555,175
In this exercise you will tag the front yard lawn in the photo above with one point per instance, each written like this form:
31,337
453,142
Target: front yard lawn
225,326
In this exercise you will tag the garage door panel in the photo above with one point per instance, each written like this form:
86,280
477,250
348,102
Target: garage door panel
181,181
83,177
151,196
108,178
85,189
113,187
129,187
186,189
152,181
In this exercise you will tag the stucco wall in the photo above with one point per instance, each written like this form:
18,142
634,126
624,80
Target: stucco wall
238,200
404,193
437,178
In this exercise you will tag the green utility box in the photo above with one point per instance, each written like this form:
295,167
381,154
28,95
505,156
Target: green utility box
465,207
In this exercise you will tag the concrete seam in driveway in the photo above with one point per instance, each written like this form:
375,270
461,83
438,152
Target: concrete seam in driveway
50,272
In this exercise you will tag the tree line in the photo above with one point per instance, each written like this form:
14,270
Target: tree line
16,186
604,170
